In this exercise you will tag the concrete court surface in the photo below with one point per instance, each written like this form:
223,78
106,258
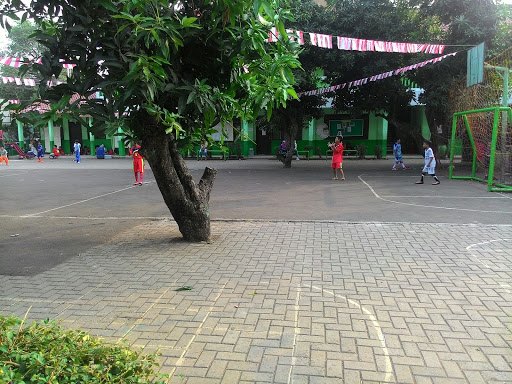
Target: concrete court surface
306,279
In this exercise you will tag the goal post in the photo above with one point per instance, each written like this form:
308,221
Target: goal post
479,153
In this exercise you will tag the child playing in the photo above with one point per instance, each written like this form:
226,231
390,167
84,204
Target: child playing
397,153
138,164
3,156
76,149
430,164
40,153
55,153
337,157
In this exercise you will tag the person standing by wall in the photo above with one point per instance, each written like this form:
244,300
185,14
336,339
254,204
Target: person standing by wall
40,153
76,149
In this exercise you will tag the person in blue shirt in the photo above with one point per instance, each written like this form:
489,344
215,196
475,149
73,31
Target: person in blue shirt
40,153
76,149
397,154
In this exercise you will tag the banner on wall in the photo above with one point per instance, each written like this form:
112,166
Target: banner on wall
223,130
346,128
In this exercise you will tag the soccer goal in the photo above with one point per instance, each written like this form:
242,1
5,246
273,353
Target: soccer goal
481,147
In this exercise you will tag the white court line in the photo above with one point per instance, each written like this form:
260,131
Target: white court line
426,206
82,201
447,197
80,298
376,326
194,336
468,248
90,218
14,174
295,335
138,321
506,287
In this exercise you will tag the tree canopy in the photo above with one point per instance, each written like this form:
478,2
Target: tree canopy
165,68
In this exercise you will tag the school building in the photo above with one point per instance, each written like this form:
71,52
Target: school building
369,129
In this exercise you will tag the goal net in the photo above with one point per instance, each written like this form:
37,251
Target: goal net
481,141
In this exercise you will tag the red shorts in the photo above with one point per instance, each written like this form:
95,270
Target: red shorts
337,165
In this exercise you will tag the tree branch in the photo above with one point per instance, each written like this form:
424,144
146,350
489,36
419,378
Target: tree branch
206,183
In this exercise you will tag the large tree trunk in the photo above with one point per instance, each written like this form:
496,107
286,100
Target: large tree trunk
290,142
187,201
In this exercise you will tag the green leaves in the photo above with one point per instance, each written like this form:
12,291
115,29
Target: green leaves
108,5
184,65
44,352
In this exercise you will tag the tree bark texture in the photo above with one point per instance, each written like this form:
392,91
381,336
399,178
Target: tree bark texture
290,142
187,201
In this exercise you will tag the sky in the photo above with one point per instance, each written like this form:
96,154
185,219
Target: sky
4,41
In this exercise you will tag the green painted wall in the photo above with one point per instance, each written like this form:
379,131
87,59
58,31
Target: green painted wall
322,146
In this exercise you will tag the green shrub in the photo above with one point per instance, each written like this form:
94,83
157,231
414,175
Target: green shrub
378,151
46,353
361,151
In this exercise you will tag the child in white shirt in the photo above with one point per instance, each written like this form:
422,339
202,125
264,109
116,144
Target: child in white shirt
430,164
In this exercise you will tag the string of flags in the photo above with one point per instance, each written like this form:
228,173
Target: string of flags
353,44
380,76
16,62
27,82
18,81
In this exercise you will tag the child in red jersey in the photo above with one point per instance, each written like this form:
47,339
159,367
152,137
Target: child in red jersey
138,164
337,158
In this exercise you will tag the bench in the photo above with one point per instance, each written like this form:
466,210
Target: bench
346,152
303,153
215,152
300,153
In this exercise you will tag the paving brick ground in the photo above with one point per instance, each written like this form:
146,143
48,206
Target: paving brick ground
294,302
371,280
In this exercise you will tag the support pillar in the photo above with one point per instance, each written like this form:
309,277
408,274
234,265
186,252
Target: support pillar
247,133
21,138
85,138
51,135
91,138
311,132
377,133
66,143
120,142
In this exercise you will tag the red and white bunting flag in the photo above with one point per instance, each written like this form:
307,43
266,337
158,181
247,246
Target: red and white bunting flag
412,48
324,41
379,46
380,76
296,36
273,35
18,81
10,61
313,39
